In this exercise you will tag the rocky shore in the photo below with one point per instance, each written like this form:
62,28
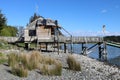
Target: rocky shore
91,70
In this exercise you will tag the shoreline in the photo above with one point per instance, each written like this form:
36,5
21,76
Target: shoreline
92,69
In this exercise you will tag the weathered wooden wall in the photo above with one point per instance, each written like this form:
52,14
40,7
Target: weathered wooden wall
43,33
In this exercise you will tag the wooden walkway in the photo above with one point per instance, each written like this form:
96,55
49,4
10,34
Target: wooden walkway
97,41
73,39
61,39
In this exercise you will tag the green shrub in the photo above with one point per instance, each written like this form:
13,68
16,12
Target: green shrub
3,61
73,64
1,54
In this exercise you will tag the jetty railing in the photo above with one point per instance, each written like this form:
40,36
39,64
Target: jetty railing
62,39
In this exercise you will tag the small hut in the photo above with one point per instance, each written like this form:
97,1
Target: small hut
41,29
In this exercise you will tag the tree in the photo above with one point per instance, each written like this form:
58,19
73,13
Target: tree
9,31
34,17
2,20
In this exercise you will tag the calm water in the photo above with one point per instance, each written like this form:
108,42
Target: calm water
113,53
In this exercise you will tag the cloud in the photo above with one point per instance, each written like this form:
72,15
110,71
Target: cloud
104,11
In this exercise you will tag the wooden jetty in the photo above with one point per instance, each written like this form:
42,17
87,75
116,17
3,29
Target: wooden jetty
47,31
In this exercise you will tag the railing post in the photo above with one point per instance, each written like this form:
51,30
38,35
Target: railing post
105,51
64,47
99,48
71,44
82,48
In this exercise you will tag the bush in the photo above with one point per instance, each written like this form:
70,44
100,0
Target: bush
8,31
73,64
13,59
35,60
53,69
19,70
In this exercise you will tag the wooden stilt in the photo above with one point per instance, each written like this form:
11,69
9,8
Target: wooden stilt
99,49
71,44
71,48
26,46
82,48
64,47
105,51
40,46
85,52
46,46
58,47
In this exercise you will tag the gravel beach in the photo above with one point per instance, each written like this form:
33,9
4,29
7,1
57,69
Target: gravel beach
91,70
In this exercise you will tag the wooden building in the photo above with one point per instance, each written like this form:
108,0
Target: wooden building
41,30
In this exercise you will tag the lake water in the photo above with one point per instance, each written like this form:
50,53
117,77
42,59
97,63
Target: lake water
113,53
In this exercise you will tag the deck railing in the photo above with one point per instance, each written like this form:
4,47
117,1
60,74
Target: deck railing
61,39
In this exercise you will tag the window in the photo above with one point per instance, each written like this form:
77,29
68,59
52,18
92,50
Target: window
32,32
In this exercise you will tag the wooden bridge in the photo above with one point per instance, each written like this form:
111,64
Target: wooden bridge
98,41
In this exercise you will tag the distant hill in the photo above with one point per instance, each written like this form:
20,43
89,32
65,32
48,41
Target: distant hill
112,38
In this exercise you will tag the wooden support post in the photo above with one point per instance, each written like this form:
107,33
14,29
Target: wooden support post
65,47
71,48
82,48
71,43
40,46
105,52
86,51
53,46
58,39
26,46
37,43
58,46
46,46
99,48
54,43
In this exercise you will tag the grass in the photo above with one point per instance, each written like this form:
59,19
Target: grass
3,58
13,59
5,45
73,64
19,70
24,62
35,59
52,69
